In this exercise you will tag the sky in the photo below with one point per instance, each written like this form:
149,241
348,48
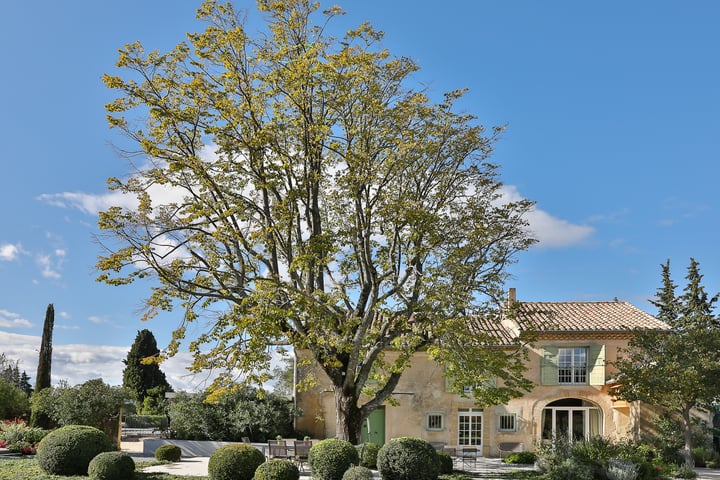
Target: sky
613,129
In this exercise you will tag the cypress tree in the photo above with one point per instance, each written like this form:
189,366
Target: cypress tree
42,379
142,375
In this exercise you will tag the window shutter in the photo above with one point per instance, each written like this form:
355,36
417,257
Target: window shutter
548,367
596,360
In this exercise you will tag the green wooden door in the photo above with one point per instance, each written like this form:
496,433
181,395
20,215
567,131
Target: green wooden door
373,429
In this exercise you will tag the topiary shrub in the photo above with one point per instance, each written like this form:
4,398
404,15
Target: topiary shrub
358,473
407,458
520,458
277,469
111,466
168,453
368,458
328,459
69,449
237,461
444,462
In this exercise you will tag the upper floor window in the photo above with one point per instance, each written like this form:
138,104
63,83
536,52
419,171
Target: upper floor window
572,365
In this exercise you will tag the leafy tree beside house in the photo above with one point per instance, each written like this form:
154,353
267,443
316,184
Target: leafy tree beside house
311,196
142,376
678,369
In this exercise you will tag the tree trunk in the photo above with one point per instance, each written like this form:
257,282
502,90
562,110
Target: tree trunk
687,430
348,417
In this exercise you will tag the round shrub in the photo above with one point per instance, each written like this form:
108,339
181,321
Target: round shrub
520,458
368,458
237,461
277,469
69,449
168,453
329,458
358,473
408,458
111,466
444,462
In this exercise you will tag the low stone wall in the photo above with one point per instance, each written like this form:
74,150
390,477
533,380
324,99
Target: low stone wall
189,448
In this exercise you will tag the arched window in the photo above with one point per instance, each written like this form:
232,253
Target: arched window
571,418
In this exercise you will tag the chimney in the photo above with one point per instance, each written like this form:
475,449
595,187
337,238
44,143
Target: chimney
511,294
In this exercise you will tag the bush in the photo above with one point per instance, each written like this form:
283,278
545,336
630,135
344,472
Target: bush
237,461
369,453
685,472
69,450
277,469
168,453
19,438
111,466
328,459
407,458
445,463
570,469
358,473
619,469
522,458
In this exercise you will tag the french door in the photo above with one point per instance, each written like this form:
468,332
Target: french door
470,427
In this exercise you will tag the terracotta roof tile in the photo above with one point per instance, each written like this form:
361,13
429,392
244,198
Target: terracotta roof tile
586,317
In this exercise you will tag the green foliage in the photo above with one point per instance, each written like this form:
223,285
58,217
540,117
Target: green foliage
522,458
168,453
19,437
93,403
687,354
619,469
234,462
685,472
277,469
369,454
331,241
13,402
330,458
570,469
10,373
705,457
142,376
42,378
241,413
159,422
358,472
112,466
69,450
445,463
407,458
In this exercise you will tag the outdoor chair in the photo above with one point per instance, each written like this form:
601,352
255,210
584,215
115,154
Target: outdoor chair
278,450
302,451
506,448
468,454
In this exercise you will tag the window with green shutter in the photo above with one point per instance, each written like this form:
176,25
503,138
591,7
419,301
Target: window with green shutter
573,365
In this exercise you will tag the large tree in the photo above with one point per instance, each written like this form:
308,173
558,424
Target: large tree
298,184
142,375
679,368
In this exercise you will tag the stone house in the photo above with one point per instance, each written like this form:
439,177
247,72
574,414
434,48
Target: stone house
570,364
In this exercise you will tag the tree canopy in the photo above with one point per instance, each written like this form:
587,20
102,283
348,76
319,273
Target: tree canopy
679,368
297,185
142,376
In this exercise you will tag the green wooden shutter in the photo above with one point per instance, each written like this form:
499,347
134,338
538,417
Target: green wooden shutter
548,366
596,362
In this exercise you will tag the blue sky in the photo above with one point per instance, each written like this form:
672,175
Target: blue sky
613,114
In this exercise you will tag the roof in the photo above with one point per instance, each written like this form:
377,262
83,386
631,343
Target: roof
615,316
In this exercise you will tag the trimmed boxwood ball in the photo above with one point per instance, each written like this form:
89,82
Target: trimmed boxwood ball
168,453
408,458
237,461
358,473
445,463
69,449
111,466
329,458
368,457
277,469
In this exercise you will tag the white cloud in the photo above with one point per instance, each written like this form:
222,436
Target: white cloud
13,320
78,363
97,320
48,267
9,252
551,232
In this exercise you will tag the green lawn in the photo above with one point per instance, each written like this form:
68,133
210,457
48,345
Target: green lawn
28,469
